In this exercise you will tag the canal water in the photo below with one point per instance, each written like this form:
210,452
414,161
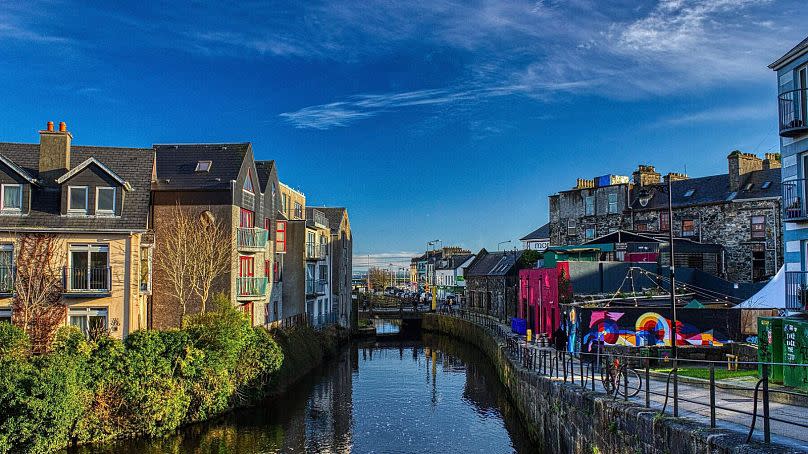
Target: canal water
432,394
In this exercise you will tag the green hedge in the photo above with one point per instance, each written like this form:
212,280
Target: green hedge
150,384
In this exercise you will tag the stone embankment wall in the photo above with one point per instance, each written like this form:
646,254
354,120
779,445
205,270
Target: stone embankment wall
563,418
304,349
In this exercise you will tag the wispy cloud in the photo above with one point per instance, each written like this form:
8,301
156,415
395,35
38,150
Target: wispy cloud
719,114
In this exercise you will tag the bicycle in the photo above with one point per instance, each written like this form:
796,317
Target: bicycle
617,378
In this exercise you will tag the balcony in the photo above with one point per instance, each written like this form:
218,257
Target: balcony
793,110
252,239
7,279
251,287
794,200
88,280
316,251
796,290
315,286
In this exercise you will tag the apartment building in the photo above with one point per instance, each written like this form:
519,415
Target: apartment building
293,203
90,204
318,280
341,262
223,184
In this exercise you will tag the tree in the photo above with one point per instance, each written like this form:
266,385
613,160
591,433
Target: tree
564,288
173,257
378,278
210,257
38,307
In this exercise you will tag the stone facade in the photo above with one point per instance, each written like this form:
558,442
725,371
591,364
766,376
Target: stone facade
582,214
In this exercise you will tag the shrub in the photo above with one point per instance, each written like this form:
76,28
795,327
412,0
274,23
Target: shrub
14,343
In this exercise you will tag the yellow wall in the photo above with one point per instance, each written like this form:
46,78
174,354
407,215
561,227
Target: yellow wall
292,196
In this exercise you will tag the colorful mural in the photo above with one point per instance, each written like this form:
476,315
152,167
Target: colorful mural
647,329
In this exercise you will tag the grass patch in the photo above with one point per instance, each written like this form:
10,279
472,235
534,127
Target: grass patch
720,374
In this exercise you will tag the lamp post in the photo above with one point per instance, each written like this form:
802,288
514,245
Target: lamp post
645,196
501,243
432,286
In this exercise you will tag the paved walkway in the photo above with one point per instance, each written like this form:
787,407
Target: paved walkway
694,404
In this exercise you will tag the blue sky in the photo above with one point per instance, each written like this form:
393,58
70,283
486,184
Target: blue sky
436,119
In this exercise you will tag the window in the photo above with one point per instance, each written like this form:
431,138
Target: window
589,205
91,321
145,270
766,185
612,203
641,227
298,210
5,315
664,221
572,229
105,200
748,187
758,227
589,233
758,262
247,219
11,197
280,237
323,273
88,268
203,166
688,227
248,183
6,268
689,192
77,199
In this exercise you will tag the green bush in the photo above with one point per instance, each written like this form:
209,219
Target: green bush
150,384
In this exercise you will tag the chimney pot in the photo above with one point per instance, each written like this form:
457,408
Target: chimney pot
62,126
50,126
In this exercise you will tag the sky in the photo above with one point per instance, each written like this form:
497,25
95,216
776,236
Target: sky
427,119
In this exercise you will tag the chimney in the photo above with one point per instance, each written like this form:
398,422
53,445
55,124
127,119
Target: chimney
583,183
772,161
54,151
645,175
675,176
740,164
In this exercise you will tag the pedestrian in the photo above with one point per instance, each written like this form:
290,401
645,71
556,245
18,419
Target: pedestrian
560,339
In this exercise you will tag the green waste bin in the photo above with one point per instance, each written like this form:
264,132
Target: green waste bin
795,351
770,346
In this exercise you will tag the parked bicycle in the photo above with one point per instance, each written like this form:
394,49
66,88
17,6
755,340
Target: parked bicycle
618,378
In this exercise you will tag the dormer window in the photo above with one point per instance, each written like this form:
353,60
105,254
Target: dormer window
203,166
104,200
248,183
77,199
689,192
11,197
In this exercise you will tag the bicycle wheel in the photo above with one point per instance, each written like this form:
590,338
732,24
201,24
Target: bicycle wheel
607,379
631,386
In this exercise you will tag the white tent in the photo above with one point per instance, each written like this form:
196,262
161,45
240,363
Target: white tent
771,296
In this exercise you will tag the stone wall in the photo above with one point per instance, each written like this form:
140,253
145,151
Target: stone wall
563,418
568,205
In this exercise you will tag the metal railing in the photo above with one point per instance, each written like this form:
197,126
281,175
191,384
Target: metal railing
252,238
633,379
315,287
794,199
251,286
793,109
796,290
316,251
88,280
7,274
317,322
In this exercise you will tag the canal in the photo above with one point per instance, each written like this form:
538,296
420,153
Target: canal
423,395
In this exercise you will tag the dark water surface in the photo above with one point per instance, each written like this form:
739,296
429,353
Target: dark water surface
431,395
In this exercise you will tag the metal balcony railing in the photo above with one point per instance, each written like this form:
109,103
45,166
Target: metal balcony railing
88,280
252,238
794,200
316,251
796,290
793,110
251,286
7,274
315,287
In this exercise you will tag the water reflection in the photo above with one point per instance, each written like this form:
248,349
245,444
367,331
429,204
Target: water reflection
428,395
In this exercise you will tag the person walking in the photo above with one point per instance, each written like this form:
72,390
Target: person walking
560,339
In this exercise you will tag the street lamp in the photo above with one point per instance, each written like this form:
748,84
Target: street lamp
644,197
501,243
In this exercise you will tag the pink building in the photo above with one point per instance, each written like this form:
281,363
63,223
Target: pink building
538,299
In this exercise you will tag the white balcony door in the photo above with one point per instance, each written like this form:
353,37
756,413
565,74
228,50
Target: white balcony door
89,267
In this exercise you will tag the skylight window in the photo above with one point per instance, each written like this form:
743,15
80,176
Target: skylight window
203,166
766,185
689,192
748,187
731,196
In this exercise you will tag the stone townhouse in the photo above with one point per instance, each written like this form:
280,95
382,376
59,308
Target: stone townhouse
341,261
739,210
223,183
492,280
93,204
792,103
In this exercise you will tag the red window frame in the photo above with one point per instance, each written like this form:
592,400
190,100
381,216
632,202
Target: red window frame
246,266
280,236
247,219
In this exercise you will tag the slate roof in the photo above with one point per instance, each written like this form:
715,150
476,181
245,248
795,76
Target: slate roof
134,165
176,165
264,169
714,189
493,263
334,216
542,233
453,262
788,56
